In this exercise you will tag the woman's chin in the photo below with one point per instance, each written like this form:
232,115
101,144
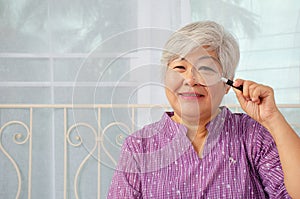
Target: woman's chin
193,112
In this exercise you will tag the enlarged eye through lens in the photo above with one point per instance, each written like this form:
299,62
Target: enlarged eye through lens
207,69
208,75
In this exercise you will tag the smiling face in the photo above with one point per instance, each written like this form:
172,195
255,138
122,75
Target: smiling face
193,86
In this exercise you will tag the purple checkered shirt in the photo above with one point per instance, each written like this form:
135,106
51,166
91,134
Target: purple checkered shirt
239,160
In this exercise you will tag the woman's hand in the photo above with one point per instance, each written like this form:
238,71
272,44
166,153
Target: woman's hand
257,101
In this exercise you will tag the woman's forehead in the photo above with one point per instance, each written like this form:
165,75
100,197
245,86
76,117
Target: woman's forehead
198,54
202,53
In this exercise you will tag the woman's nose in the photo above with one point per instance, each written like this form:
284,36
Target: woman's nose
191,77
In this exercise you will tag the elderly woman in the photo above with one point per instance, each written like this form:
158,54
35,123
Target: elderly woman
202,150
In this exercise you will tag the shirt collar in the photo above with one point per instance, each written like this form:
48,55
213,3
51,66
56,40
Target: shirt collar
214,128
214,125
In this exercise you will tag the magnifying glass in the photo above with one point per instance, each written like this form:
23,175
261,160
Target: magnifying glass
208,70
210,75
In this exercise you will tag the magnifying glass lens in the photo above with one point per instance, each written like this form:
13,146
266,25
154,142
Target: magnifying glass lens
208,76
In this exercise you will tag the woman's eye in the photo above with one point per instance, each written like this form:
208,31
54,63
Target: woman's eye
206,69
179,67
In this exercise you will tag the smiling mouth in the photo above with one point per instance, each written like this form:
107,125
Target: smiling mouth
191,95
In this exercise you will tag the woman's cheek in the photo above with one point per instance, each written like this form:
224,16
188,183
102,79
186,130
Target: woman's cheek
173,80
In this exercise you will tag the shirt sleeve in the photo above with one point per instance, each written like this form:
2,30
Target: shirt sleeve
126,181
268,164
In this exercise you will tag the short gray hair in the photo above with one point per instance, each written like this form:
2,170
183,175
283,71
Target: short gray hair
204,33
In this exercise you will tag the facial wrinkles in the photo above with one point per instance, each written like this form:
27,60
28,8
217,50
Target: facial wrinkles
205,71
172,79
175,83
208,61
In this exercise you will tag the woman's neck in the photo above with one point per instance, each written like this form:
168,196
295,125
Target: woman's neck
195,126
196,133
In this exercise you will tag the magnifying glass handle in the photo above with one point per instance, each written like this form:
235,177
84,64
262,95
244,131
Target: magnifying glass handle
230,83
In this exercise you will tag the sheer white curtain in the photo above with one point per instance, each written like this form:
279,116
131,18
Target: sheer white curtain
65,58
55,55
268,33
